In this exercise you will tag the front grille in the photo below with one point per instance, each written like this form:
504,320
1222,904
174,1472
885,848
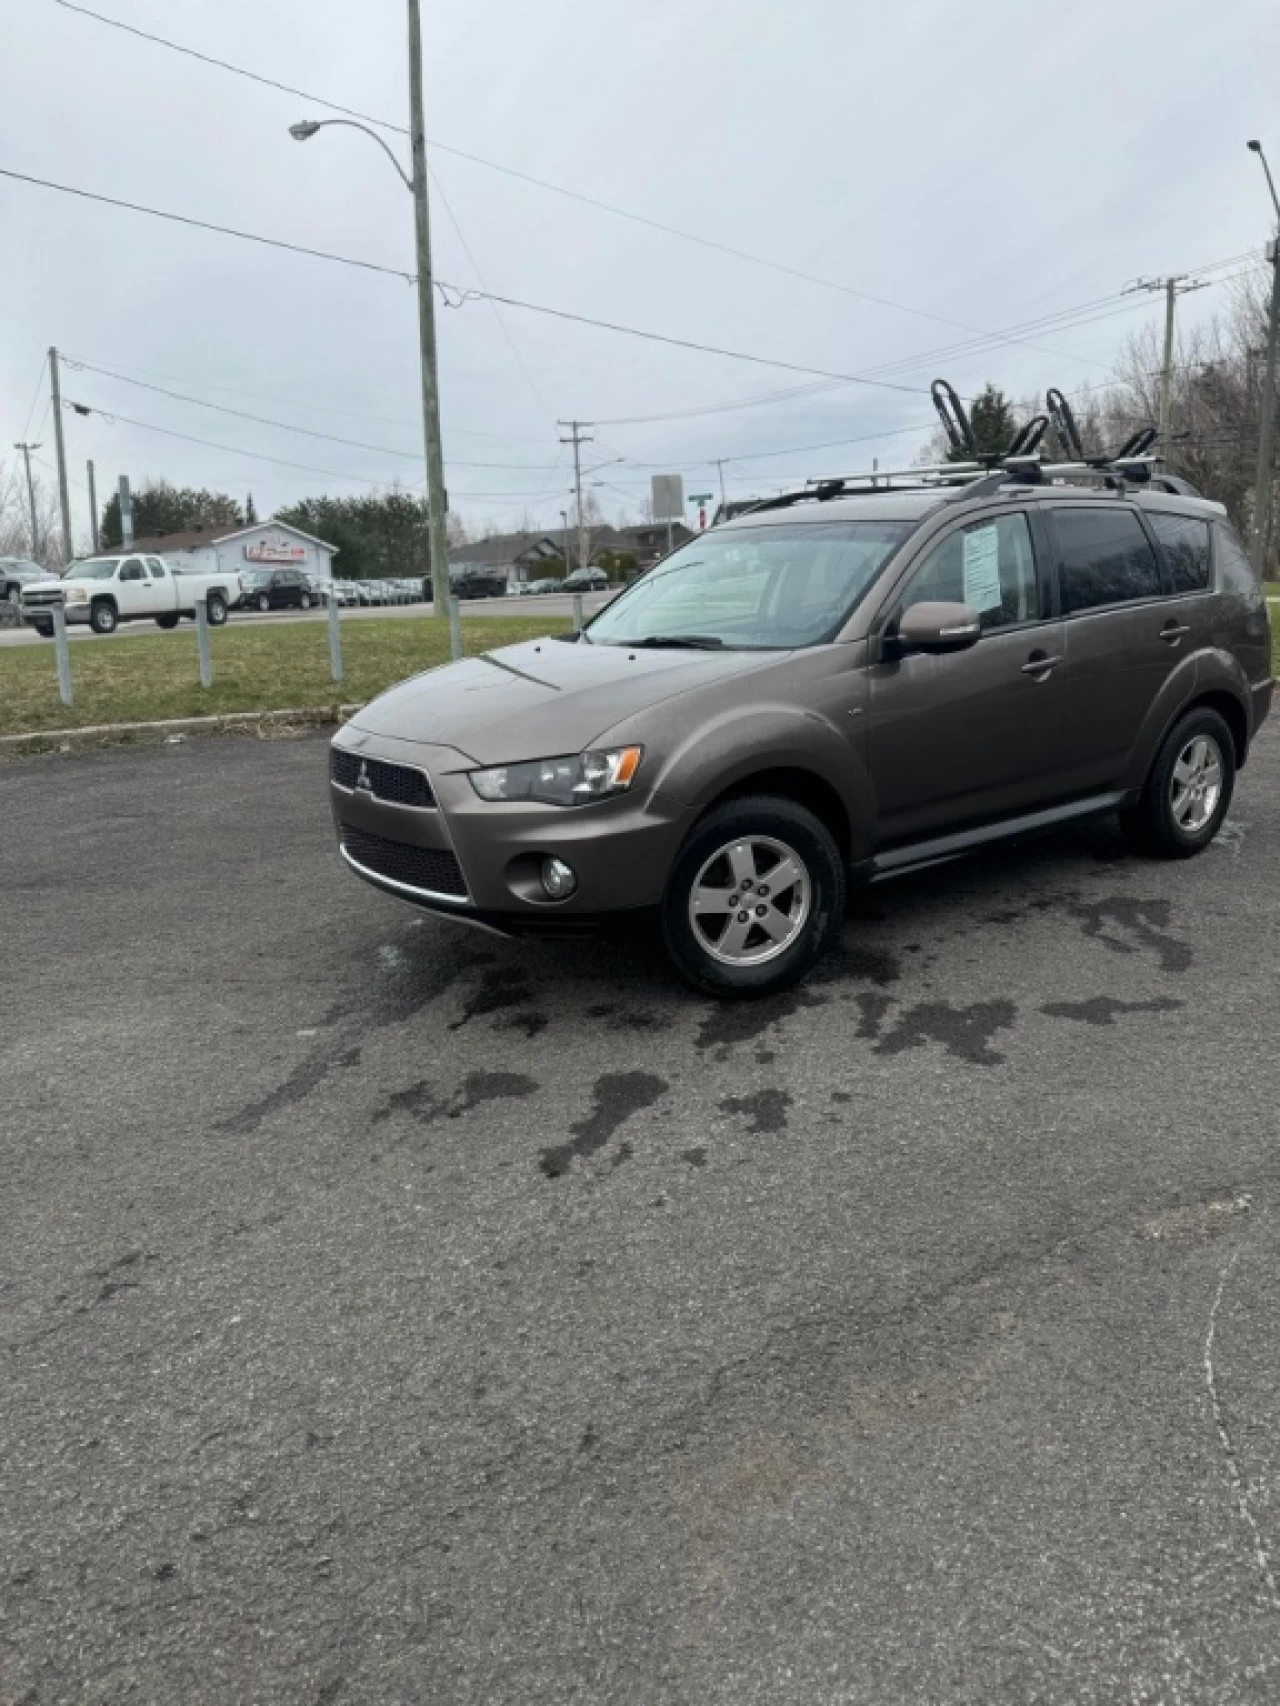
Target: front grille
394,782
42,598
420,867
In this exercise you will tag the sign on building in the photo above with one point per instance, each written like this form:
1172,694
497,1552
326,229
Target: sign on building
668,497
275,548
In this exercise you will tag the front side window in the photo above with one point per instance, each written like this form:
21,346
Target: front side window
133,570
990,566
1186,547
780,586
1104,557
96,569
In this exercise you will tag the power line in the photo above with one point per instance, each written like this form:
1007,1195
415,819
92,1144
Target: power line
286,426
204,224
541,183
464,296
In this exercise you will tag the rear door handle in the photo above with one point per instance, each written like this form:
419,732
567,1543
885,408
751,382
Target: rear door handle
1174,632
1039,664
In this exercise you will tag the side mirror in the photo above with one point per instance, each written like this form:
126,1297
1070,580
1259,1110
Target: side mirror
938,628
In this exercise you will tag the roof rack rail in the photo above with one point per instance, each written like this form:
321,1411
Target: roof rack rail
974,474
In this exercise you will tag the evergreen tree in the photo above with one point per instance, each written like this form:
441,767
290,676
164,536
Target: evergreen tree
992,419
250,513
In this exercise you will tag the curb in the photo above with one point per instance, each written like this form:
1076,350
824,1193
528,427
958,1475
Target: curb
66,740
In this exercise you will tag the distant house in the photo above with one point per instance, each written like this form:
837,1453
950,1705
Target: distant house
528,556
236,550
518,556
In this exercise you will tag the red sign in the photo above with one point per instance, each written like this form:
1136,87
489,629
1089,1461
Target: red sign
275,550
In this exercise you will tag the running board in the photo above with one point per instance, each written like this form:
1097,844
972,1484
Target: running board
920,853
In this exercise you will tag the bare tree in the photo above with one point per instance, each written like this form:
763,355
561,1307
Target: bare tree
16,538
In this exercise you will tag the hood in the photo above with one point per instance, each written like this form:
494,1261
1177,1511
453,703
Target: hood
541,697
50,583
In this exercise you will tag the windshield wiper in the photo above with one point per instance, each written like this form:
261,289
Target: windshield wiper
699,642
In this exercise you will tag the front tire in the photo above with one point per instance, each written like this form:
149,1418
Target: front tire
264,603
216,610
1188,792
754,898
304,603
103,619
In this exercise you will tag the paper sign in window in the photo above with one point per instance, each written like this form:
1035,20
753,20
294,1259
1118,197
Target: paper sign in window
982,569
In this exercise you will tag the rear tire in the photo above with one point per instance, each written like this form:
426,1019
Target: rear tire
1188,792
304,602
169,621
773,931
216,609
264,603
103,619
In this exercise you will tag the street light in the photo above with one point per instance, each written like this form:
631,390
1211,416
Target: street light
416,183
1262,482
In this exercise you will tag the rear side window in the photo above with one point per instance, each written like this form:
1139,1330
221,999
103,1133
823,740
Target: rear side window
1104,557
989,566
1186,546
1235,569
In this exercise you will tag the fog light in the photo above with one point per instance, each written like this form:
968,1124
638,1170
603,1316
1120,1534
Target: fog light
558,879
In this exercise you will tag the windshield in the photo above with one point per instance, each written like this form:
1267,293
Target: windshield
770,587
96,569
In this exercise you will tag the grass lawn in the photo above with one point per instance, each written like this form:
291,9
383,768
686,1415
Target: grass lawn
267,667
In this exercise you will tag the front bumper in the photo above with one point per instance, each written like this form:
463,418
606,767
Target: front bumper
37,615
479,861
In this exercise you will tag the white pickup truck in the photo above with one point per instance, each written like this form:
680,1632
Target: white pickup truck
105,591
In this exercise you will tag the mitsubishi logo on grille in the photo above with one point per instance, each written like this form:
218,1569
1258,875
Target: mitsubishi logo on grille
363,779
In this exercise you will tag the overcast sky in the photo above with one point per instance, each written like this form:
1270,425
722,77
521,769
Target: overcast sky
974,166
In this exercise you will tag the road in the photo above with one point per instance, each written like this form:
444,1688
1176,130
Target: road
550,604
396,1315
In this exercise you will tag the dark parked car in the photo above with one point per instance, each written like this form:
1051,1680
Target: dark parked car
278,589
478,583
17,572
586,580
840,685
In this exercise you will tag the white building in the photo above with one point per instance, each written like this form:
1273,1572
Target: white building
236,550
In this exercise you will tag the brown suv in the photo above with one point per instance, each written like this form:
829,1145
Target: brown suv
834,686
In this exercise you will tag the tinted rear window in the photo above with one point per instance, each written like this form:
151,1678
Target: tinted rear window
1104,558
1186,546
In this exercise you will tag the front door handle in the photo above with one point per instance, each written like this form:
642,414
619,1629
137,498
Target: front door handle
1173,633
1039,665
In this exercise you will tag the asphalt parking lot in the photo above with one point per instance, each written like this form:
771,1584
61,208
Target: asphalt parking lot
393,1314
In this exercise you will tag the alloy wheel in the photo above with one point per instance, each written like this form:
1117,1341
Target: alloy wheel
750,901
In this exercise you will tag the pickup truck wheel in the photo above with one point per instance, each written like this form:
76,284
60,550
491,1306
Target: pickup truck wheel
264,603
44,629
304,602
755,896
216,609
1188,792
169,621
103,618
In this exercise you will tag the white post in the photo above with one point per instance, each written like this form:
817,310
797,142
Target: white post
577,612
455,628
335,638
63,652
202,642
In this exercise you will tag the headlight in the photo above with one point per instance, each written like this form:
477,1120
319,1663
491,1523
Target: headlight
571,781
76,595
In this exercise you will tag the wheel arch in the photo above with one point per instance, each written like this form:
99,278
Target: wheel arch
805,788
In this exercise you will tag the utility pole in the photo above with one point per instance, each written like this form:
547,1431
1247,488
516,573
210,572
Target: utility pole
437,498
26,450
577,438
723,505
64,495
564,516
1266,427
126,512
1262,485
1173,287
93,505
